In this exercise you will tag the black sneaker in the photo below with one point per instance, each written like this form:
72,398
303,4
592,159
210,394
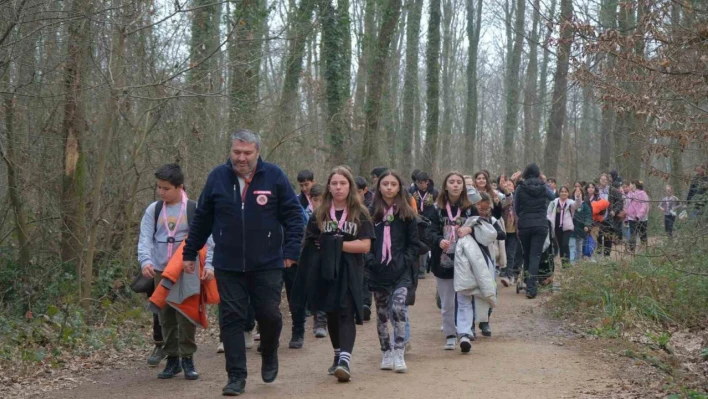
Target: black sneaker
235,387
297,340
156,356
190,372
465,344
486,330
334,365
342,372
367,313
172,368
269,367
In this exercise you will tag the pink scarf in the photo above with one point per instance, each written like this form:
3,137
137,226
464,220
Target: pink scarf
333,216
171,233
453,230
422,200
386,251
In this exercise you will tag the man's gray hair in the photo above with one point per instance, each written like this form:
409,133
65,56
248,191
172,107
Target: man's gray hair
247,136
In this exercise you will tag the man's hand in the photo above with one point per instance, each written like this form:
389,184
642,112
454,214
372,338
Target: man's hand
189,266
207,274
289,263
149,271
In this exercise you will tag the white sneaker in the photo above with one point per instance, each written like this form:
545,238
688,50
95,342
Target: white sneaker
220,348
387,361
399,362
450,343
465,344
248,335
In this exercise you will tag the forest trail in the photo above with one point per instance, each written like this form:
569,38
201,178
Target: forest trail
529,356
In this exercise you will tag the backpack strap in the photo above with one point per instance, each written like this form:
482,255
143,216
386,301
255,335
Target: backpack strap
158,209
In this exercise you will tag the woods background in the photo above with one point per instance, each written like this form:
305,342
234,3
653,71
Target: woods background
97,94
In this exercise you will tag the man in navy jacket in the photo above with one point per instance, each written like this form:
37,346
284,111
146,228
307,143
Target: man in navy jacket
256,221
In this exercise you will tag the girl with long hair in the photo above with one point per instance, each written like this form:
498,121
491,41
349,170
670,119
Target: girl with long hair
582,221
452,209
560,214
483,183
392,265
342,233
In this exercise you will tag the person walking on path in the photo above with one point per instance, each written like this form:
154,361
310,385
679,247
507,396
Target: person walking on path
257,223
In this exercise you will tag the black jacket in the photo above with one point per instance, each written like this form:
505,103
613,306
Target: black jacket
531,202
435,235
402,270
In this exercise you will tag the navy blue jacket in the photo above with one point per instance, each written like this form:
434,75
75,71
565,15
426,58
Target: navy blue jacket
255,234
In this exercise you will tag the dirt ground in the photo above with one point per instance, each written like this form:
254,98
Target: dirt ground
528,356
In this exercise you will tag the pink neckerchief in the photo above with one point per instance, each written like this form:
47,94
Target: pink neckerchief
333,216
452,220
386,250
422,199
171,233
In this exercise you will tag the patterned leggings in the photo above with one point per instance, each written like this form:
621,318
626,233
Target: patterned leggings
391,306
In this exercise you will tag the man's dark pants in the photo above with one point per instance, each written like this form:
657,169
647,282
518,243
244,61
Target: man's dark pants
263,287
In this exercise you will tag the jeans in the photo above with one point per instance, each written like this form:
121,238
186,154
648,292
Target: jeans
263,288
669,221
514,255
579,247
606,237
178,332
297,312
572,245
532,240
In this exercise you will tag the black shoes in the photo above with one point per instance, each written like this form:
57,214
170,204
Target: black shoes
190,372
342,372
486,330
367,313
334,365
235,387
172,368
297,340
269,366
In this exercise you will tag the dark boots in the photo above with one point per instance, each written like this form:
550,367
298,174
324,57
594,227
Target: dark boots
172,368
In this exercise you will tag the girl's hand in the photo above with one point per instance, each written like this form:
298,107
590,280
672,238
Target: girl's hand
586,229
464,231
445,245
515,176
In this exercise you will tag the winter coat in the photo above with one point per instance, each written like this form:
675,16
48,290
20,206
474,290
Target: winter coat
637,206
438,220
530,203
599,206
185,292
498,248
554,206
402,270
474,268
256,233
582,219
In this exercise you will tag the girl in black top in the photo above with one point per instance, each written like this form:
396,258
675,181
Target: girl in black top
392,265
336,240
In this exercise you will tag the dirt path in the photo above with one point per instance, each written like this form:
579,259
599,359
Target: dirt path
529,356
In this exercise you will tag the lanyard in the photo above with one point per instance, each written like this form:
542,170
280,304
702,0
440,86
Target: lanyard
171,233
247,182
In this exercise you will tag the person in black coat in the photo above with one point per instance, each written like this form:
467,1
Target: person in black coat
530,204
337,239
392,265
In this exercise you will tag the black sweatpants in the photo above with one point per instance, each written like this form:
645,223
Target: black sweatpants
342,330
532,240
297,312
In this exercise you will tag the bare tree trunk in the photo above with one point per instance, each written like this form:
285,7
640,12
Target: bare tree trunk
447,71
433,91
245,60
530,91
410,83
608,20
474,25
73,205
541,109
511,92
377,77
560,86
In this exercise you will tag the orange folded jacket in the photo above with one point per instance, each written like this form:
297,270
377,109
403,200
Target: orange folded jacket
598,208
193,307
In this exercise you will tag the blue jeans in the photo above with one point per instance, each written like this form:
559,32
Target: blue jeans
571,244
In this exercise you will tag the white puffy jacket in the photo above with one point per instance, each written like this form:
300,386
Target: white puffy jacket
474,273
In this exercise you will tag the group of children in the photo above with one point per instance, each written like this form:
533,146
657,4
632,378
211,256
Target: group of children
363,242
